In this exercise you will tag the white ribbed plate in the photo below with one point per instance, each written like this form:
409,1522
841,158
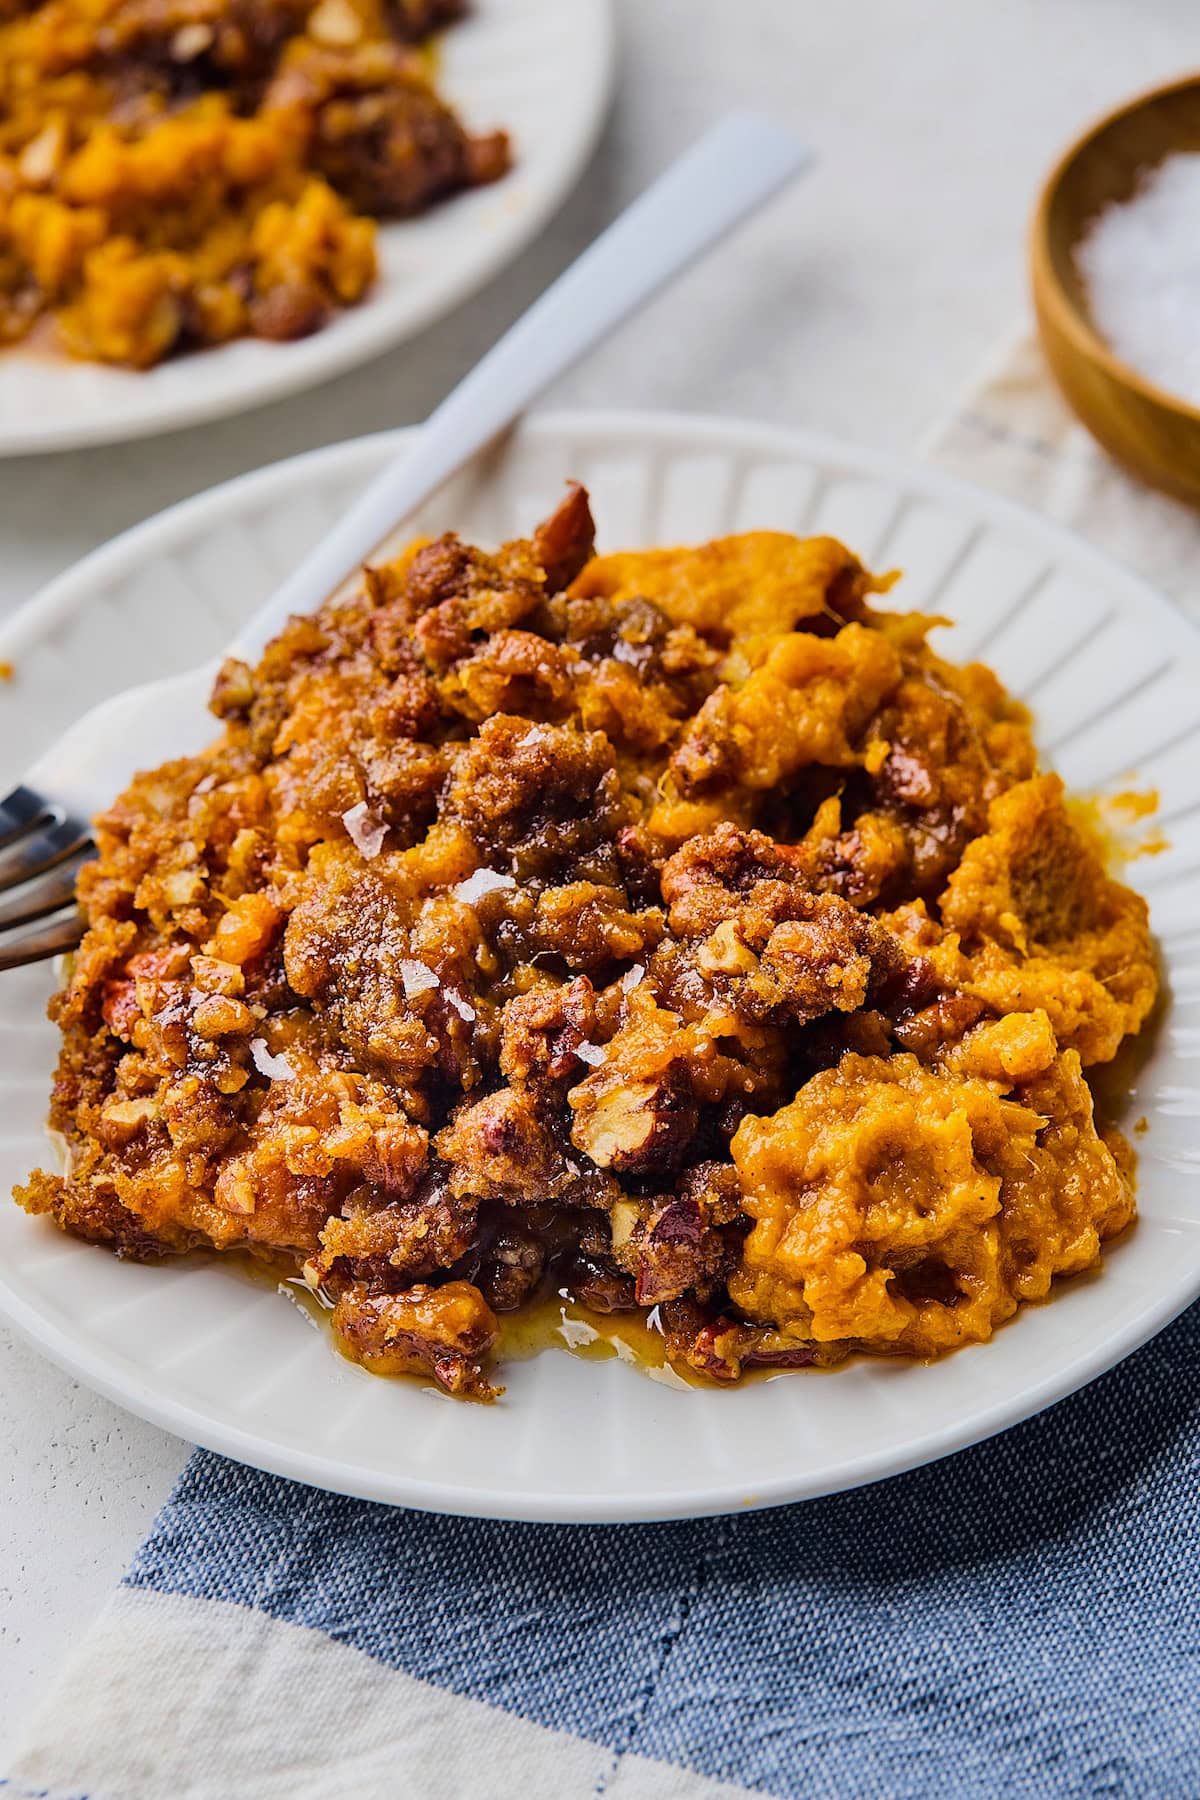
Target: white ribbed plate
1114,675
540,69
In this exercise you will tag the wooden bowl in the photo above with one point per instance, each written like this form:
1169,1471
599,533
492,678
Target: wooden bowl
1151,432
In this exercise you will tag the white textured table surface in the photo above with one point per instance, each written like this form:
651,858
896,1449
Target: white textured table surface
860,306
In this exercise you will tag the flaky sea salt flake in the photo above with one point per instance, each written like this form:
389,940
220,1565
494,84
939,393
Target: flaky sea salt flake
666,1376
483,881
576,1333
366,829
275,1068
592,1054
417,978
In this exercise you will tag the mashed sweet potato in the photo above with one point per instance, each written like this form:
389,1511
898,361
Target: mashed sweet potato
672,928
175,173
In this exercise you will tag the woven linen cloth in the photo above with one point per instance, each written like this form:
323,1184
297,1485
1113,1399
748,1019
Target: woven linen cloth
1020,1619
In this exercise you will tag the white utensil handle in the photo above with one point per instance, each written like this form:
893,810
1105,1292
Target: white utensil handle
727,175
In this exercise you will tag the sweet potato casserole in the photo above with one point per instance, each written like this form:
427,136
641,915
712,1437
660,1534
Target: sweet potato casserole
176,173
671,930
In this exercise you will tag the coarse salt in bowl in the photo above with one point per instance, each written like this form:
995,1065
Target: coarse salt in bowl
1116,284
1140,263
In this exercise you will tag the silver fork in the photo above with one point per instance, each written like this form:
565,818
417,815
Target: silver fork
42,849
44,835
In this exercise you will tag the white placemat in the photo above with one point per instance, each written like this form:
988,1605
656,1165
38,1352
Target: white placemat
1013,432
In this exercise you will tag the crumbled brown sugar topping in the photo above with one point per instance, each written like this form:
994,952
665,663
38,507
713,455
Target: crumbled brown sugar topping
673,928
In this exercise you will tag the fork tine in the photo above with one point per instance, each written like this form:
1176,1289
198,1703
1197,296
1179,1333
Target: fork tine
40,945
49,895
40,850
19,810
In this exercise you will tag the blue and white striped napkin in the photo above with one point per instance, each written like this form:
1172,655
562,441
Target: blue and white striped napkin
1019,1620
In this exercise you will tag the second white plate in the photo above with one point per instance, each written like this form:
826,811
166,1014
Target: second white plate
1113,675
537,68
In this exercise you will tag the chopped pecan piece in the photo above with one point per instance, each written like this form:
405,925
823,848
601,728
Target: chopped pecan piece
446,1332
542,1031
638,1128
563,543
